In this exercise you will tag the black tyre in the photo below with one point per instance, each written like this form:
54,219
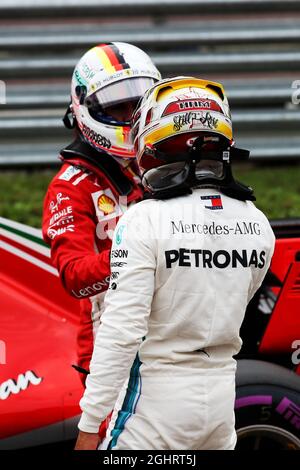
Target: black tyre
267,407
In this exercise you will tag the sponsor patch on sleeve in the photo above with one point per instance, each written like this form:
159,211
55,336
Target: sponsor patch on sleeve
68,174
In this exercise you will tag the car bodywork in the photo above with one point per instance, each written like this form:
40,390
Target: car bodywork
39,389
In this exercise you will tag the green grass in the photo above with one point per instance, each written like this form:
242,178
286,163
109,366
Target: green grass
277,189
22,194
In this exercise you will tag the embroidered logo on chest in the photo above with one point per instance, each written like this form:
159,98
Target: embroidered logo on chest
213,202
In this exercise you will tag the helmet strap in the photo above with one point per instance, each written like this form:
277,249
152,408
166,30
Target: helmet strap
69,119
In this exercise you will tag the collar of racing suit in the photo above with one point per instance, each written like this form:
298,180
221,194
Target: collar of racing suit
82,154
235,190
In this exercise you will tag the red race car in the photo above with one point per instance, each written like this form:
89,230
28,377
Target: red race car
268,377
40,391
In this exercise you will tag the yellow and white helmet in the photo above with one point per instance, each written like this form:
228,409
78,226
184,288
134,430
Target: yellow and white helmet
175,112
106,85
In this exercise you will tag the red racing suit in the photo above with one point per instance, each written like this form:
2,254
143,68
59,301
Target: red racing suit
81,209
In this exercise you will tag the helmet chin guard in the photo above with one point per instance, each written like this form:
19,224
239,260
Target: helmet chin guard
197,168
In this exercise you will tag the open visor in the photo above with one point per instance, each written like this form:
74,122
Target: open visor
166,176
130,89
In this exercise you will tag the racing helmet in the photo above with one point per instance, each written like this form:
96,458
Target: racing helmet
182,133
107,83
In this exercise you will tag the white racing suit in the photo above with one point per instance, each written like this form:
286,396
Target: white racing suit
183,272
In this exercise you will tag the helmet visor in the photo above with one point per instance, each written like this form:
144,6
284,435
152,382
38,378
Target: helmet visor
130,89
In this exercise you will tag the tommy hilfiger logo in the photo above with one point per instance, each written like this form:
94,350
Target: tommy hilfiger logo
215,202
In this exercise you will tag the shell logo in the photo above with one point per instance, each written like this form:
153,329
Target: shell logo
106,204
